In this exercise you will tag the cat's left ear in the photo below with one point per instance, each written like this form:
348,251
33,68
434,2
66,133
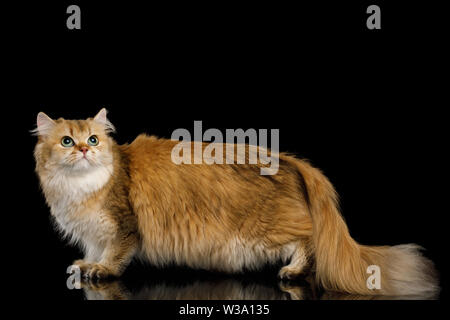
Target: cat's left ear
101,118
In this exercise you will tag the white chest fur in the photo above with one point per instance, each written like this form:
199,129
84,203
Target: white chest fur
66,193
71,187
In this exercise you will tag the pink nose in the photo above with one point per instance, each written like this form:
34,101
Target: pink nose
84,150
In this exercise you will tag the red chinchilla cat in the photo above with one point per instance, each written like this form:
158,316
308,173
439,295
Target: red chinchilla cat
123,201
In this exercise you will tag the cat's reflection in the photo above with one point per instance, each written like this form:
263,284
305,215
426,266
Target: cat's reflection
220,289
223,289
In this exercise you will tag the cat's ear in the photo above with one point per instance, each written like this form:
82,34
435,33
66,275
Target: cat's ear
101,118
44,125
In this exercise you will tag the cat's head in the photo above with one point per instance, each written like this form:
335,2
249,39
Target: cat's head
74,145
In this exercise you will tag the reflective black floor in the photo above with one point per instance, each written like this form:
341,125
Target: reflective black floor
144,283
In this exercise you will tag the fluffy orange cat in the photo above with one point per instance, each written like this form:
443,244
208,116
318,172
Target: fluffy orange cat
123,201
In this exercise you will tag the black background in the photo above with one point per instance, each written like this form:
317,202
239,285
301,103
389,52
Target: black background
366,106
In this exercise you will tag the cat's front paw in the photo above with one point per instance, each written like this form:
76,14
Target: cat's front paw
97,271
94,270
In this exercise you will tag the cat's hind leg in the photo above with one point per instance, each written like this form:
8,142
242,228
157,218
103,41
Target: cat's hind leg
296,267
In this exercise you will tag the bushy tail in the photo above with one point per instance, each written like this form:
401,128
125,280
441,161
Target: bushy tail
341,263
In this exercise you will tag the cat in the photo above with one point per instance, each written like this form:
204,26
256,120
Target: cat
119,202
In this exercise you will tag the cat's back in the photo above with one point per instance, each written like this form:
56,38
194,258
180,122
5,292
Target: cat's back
146,150
154,168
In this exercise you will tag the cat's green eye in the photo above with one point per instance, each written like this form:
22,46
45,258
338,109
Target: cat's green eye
67,142
93,140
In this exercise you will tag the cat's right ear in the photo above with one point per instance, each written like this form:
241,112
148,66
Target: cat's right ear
43,124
